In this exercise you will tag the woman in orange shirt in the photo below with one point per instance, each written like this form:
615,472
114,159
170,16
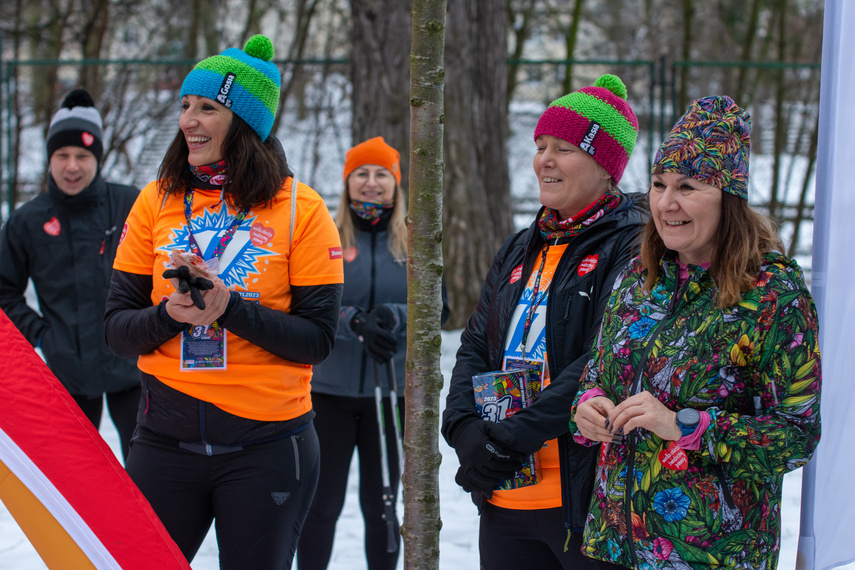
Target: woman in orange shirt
226,349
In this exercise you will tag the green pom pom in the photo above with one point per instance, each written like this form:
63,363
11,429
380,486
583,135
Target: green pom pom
612,83
261,47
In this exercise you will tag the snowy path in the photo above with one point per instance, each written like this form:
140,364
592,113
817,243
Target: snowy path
459,544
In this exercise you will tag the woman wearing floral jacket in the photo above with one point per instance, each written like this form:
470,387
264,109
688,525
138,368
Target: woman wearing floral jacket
705,379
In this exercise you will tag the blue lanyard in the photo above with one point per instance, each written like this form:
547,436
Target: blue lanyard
225,239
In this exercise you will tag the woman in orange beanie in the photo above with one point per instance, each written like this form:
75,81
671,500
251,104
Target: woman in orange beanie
370,350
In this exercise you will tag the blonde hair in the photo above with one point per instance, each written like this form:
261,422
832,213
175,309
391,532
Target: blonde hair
397,224
743,238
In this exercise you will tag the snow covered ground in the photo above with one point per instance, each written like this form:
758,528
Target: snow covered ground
458,539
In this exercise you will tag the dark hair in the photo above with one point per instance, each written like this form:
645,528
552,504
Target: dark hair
256,169
742,239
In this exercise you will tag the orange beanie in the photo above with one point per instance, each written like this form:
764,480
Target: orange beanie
373,151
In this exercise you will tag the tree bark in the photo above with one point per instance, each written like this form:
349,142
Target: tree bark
380,72
422,522
478,216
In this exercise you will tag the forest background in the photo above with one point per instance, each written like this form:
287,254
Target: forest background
346,77
346,66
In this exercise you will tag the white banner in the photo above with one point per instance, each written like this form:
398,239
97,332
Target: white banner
827,534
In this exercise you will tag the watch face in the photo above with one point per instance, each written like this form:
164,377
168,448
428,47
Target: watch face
688,417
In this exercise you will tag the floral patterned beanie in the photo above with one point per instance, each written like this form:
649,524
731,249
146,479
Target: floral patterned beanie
710,143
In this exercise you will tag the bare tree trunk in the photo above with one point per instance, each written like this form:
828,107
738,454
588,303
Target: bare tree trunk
478,216
521,33
95,32
570,37
379,71
781,122
424,301
800,208
688,21
747,48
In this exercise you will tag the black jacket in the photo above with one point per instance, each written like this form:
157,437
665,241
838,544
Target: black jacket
371,277
574,312
67,244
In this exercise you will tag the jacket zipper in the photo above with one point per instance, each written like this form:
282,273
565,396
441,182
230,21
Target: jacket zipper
634,388
362,370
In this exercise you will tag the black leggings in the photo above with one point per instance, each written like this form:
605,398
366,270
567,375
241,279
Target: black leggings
258,496
342,424
510,538
123,411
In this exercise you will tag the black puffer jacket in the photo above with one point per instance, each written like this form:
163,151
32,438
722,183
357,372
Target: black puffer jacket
67,244
574,312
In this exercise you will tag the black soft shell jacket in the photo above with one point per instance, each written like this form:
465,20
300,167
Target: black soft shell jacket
574,313
67,244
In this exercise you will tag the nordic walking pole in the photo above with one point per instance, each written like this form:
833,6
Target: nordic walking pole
389,513
396,415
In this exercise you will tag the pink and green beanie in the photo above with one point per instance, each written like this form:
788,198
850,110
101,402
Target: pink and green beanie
710,143
245,81
598,120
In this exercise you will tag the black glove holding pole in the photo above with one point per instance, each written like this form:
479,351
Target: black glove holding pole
373,328
485,457
193,285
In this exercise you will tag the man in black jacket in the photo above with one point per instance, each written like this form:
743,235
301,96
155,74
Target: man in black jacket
65,241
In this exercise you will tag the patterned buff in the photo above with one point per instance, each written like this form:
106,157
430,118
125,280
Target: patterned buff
710,143
370,211
553,227
213,174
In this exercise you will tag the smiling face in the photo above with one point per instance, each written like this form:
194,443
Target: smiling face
569,177
687,214
371,183
205,124
73,168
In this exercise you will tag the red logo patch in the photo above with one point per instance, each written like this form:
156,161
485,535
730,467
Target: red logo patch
259,234
350,254
218,179
587,265
674,457
517,274
88,139
51,227
124,233
335,253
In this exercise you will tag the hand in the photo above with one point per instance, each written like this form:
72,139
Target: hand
380,344
184,282
645,411
591,418
384,317
182,307
483,449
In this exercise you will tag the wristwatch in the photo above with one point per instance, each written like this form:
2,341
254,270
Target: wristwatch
688,420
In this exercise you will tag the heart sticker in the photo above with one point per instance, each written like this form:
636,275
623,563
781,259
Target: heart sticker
259,234
673,457
88,139
51,227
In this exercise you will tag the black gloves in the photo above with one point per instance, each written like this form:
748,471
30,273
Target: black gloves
195,285
485,459
373,329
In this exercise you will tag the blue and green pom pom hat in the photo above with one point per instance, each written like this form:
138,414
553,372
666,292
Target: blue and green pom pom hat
245,81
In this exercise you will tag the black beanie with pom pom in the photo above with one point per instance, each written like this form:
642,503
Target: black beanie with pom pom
77,123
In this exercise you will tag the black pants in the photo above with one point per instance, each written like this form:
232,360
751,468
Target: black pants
530,539
258,497
343,424
123,411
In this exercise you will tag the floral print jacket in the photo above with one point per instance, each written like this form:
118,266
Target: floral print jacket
753,367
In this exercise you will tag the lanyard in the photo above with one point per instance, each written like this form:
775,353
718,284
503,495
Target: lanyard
224,240
535,301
